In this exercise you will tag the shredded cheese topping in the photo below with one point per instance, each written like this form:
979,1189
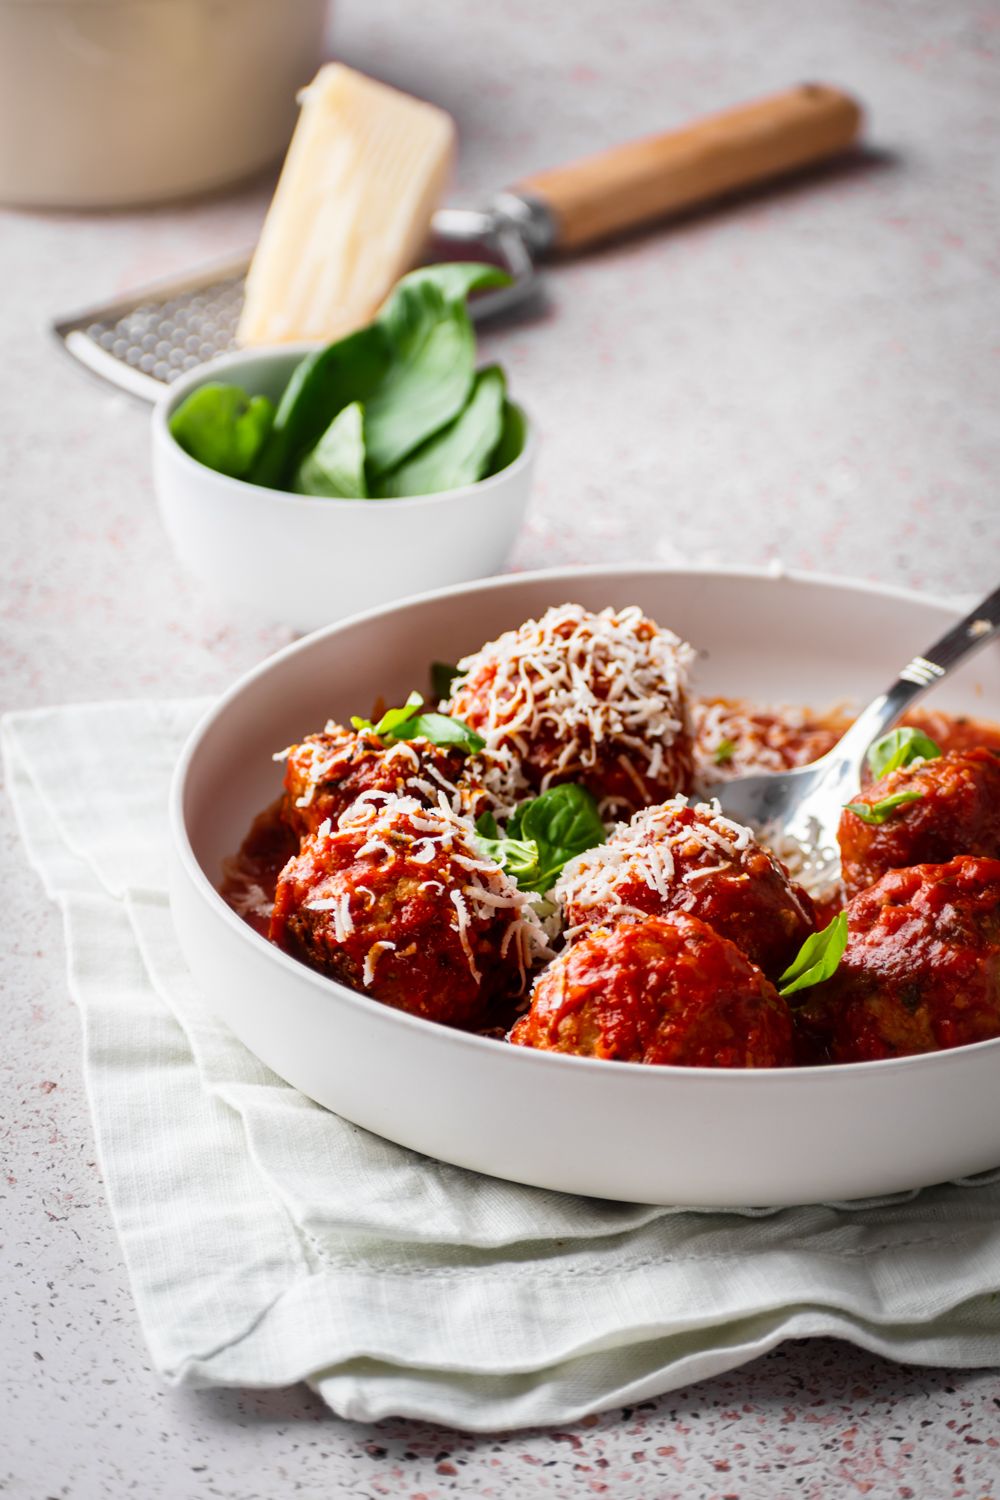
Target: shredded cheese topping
396,828
491,780
642,851
589,681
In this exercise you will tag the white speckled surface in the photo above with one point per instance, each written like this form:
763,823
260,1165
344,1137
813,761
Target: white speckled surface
813,375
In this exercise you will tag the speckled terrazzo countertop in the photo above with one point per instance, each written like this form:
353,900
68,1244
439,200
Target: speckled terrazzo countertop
812,376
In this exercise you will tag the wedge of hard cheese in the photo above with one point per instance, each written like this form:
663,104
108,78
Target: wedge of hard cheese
364,172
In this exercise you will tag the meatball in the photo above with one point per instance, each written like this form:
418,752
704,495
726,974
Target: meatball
663,990
325,773
954,809
398,901
691,859
921,970
600,699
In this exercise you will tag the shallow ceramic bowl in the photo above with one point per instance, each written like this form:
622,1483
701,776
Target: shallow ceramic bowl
654,1134
306,560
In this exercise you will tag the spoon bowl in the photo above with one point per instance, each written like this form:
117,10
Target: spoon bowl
803,806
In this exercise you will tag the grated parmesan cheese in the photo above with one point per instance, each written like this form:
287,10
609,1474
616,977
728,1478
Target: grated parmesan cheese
642,851
401,827
371,959
589,683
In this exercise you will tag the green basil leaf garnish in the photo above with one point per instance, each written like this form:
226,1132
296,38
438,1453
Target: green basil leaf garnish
458,279
563,822
880,812
408,723
223,427
460,453
817,959
513,435
336,466
439,729
443,675
430,375
724,752
519,857
423,420
898,748
392,717
322,384
543,835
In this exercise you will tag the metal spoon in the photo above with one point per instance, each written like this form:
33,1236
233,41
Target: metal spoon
804,805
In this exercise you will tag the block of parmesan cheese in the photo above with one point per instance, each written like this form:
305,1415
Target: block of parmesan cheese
365,170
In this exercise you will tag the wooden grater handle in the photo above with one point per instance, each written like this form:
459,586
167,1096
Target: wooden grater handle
629,185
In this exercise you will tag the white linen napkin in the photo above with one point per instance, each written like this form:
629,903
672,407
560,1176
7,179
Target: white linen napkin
269,1241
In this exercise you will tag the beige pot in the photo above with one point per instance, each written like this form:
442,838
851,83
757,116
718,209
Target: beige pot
111,102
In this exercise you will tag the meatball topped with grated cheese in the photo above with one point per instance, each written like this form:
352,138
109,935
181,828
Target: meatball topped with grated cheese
599,699
325,773
399,902
690,859
665,990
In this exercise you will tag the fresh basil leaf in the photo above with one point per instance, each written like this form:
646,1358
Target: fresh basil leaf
563,822
817,959
487,826
418,354
336,466
322,384
514,821
513,435
443,674
429,377
407,723
392,717
395,718
440,730
898,748
724,752
517,857
460,453
880,812
457,279
223,427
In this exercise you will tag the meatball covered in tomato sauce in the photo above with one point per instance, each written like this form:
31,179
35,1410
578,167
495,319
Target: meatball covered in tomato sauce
921,970
398,901
600,699
947,806
665,990
326,773
690,859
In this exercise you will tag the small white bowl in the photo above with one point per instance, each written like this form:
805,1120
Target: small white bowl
306,560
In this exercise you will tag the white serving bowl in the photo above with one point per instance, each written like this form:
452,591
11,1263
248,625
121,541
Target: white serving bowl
306,560
653,1134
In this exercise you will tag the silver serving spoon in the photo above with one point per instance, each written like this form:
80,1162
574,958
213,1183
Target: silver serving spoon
804,805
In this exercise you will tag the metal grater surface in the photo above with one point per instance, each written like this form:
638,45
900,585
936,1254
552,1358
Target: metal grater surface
161,332
146,340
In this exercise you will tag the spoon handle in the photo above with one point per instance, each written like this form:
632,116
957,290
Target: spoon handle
973,631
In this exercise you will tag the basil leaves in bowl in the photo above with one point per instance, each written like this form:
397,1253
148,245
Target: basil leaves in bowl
308,484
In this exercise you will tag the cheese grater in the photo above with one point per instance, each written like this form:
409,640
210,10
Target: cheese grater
144,341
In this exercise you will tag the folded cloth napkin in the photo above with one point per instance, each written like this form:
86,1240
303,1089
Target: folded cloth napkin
269,1241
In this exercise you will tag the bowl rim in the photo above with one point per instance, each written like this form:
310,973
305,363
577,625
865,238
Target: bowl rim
719,1078
171,396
